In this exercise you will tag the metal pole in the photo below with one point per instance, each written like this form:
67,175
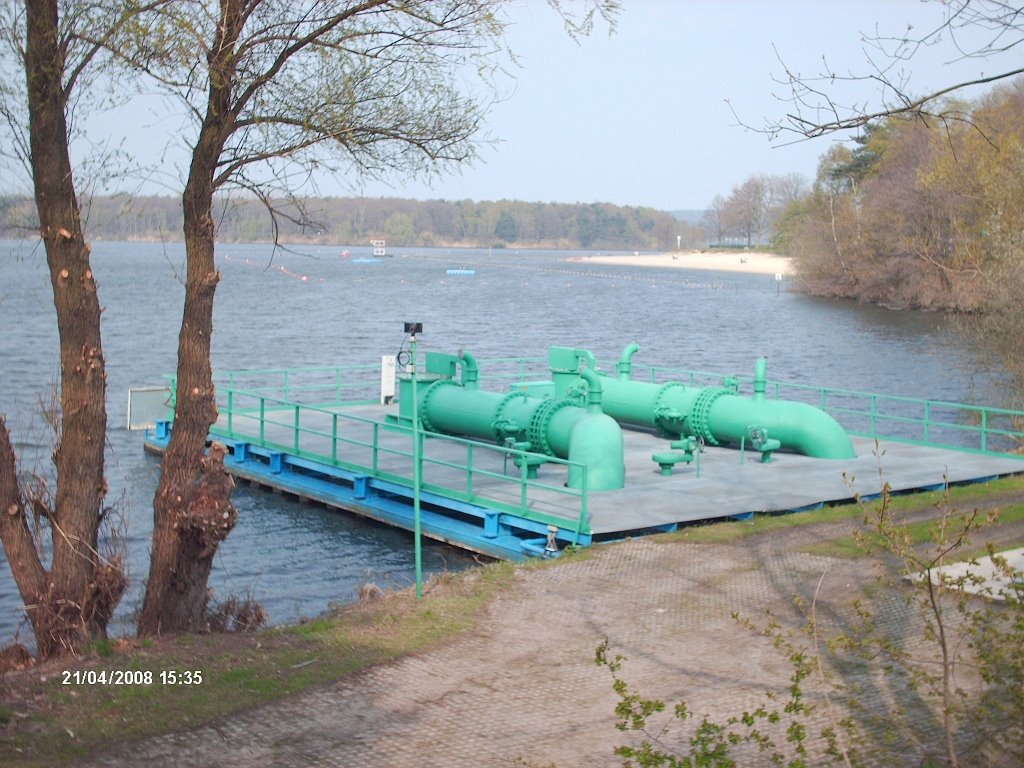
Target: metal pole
417,475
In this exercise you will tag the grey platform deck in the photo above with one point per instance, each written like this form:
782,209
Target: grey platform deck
729,483
726,487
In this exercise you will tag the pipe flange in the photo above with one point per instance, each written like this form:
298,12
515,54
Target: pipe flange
699,413
424,409
499,413
661,408
539,421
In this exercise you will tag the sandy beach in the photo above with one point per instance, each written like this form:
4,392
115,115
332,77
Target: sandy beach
754,262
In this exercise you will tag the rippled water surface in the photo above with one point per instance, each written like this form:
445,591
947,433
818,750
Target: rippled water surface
311,307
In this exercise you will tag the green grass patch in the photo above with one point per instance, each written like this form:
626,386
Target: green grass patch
919,533
724,532
965,497
237,671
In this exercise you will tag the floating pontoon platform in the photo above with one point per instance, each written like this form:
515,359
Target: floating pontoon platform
487,498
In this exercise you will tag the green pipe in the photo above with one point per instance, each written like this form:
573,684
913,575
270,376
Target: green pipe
596,440
714,414
620,397
445,365
625,365
798,426
594,391
553,427
760,378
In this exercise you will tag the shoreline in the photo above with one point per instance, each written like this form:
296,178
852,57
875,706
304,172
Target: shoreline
753,262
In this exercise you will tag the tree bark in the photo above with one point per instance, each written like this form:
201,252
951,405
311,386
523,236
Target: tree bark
75,599
192,511
20,546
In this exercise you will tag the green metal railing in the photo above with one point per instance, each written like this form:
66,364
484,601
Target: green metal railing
269,411
312,385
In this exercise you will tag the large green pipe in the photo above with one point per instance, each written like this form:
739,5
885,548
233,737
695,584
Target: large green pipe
553,427
714,414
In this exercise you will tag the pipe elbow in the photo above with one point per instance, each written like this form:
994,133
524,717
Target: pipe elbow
594,389
624,367
810,431
595,442
470,371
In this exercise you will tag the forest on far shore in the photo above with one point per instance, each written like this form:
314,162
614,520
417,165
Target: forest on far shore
401,222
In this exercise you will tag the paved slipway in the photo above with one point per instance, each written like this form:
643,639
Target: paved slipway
523,689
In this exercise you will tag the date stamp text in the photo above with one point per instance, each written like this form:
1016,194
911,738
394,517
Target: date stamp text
92,677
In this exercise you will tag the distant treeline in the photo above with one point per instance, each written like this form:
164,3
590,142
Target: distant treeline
346,221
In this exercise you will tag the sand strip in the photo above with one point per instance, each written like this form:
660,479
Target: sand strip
754,262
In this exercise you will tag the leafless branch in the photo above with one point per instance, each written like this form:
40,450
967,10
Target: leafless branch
972,29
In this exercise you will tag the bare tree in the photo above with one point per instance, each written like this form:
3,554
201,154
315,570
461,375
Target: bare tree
72,600
969,29
745,213
286,91
785,190
713,220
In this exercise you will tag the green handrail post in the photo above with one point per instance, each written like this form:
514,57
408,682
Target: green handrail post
295,430
927,419
984,429
874,415
334,438
417,475
231,410
376,448
581,521
263,415
523,469
469,469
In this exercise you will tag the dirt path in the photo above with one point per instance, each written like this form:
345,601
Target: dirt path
523,688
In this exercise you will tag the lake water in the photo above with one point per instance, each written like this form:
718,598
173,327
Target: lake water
308,306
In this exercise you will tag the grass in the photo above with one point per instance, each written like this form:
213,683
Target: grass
960,497
919,533
238,671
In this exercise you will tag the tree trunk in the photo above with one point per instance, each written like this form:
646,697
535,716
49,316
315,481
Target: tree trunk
81,588
192,511
20,547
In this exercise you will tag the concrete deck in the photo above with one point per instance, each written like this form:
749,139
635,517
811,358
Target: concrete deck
728,482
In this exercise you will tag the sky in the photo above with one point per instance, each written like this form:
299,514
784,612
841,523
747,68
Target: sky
650,115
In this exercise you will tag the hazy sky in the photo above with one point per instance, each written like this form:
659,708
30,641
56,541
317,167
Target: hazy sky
642,117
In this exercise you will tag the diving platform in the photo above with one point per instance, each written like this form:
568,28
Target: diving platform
316,442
